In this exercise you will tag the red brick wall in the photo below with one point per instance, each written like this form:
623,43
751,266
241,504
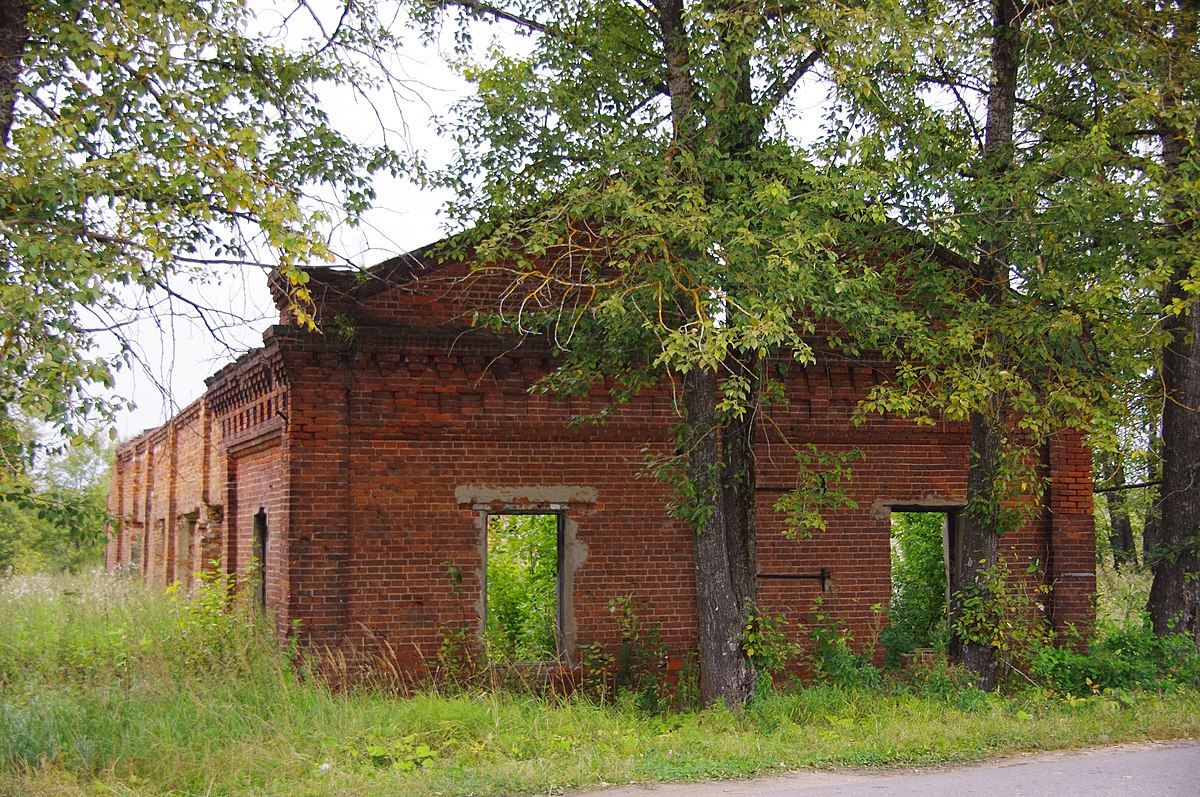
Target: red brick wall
1071,566
431,431
377,449
177,489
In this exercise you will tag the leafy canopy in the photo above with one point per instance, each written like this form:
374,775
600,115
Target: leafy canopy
153,138
652,229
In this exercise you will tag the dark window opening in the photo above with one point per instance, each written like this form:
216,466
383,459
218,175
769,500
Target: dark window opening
258,563
921,546
523,609
156,548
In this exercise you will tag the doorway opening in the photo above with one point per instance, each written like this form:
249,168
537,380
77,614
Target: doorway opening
523,602
922,542
185,541
258,563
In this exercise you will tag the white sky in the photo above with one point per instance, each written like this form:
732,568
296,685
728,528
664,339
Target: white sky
175,351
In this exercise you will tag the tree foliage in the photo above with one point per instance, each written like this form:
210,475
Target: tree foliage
983,209
628,168
1061,218
149,141
55,519
917,616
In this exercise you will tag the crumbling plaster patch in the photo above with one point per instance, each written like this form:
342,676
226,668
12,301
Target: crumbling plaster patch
557,499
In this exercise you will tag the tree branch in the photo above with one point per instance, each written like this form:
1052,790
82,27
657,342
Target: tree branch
487,9
784,84
1119,487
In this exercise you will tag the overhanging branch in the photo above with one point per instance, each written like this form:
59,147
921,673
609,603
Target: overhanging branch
487,9
785,83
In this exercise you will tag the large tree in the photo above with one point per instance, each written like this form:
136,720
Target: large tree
964,353
143,140
992,134
1137,78
628,167
1171,31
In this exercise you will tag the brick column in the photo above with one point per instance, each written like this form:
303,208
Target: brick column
1072,566
318,494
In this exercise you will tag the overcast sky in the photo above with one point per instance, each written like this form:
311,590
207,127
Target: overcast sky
175,350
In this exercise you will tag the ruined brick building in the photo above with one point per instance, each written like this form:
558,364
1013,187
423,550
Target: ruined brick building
361,465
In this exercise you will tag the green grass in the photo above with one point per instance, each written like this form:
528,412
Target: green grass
107,690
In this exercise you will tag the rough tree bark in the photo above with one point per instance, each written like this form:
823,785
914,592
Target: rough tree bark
720,464
1174,603
1154,476
979,526
719,449
14,34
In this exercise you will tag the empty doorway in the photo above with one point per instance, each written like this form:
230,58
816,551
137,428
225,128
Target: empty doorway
523,603
259,552
922,543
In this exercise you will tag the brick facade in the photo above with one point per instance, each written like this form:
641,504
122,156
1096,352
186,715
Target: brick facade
363,462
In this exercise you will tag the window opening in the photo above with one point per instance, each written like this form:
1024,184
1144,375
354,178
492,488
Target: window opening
921,542
157,551
259,554
524,593
137,544
184,542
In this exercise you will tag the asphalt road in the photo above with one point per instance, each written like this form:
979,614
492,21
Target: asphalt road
1138,770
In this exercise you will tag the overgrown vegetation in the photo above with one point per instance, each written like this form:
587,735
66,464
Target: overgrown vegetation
522,587
52,519
917,616
636,672
106,688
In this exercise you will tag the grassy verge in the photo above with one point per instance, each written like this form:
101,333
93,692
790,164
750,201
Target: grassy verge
107,690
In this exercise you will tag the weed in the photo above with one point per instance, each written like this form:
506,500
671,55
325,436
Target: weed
596,664
1120,657
768,645
458,655
635,672
832,658
95,701
402,754
1008,614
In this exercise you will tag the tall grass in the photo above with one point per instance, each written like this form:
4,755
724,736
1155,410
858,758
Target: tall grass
108,689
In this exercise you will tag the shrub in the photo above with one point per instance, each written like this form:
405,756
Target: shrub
833,658
1007,612
1125,657
766,642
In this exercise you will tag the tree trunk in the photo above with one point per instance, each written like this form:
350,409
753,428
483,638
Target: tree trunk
979,531
1174,603
720,467
720,451
1153,474
738,488
979,543
14,34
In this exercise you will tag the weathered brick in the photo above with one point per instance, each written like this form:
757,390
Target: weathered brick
375,457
